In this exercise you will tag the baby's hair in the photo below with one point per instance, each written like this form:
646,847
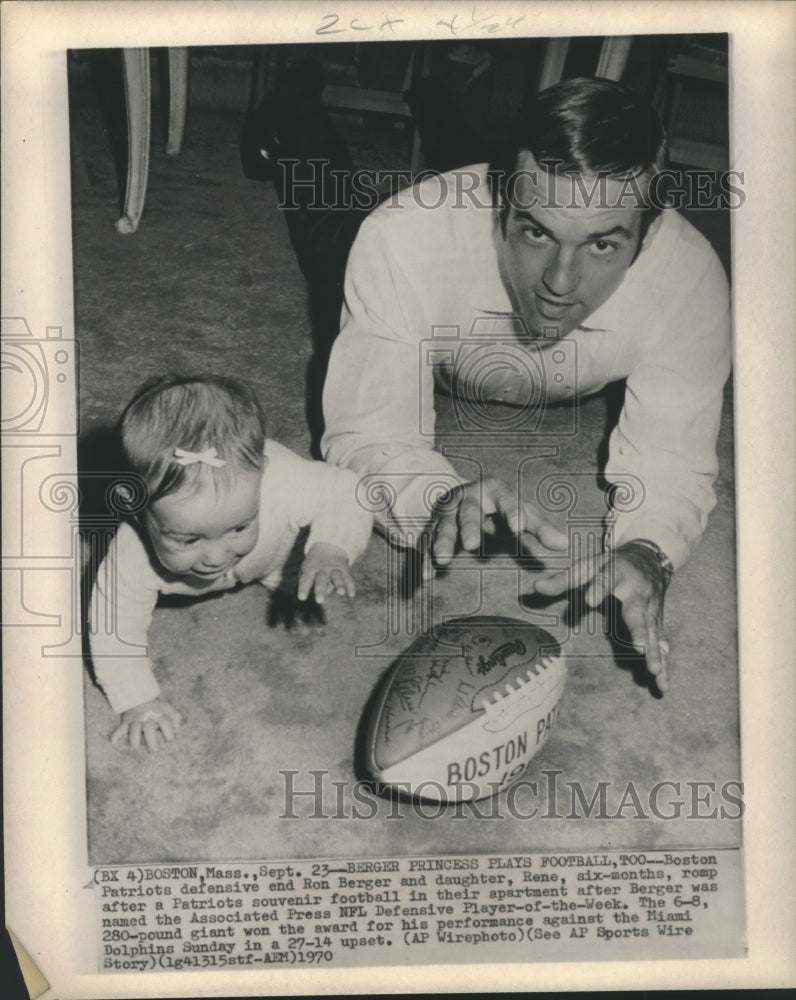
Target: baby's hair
195,414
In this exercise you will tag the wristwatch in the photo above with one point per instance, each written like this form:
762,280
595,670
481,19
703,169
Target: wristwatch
664,562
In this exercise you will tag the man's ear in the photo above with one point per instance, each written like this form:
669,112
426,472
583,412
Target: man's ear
652,229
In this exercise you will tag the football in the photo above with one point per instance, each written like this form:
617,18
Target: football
462,711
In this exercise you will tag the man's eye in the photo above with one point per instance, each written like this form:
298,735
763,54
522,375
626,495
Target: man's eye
603,247
535,234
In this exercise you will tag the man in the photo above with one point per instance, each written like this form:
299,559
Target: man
578,249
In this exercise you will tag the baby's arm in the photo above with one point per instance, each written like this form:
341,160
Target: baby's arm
122,601
339,532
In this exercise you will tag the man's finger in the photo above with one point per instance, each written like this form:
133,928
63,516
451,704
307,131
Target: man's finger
499,498
166,729
662,677
579,574
135,735
645,636
445,534
598,589
426,565
657,648
471,522
552,584
635,619
533,522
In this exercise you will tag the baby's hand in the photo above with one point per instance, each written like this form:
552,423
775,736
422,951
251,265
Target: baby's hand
149,719
325,569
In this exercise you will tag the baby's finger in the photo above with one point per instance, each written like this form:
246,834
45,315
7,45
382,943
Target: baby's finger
166,729
173,715
151,734
322,585
343,583
307,578
119,733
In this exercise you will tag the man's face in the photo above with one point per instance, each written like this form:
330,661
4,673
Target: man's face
566,252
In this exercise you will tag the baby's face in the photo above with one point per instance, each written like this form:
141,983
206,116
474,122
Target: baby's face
204,534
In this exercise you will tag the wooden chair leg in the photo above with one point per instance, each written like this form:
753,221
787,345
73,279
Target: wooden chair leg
137,98
613,57
178,99
555,55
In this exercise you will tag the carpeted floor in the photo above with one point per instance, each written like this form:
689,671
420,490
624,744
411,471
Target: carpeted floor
210,284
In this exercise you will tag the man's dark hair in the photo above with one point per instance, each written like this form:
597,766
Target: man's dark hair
586,126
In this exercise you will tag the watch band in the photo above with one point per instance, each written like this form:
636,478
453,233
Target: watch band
664,562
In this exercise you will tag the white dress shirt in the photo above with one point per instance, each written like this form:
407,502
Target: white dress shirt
426,270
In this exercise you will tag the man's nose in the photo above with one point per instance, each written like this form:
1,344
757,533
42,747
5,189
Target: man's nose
560,276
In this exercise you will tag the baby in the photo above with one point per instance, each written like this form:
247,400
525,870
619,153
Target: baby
224,506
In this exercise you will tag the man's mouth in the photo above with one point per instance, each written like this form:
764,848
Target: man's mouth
550,309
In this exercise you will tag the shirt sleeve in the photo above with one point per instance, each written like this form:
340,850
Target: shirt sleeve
123,598
318,497
378,393
662,453
339,518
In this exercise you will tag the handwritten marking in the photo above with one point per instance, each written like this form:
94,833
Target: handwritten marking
331,24
330,21
456,28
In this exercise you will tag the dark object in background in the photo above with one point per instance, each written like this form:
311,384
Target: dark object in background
291,142
452,108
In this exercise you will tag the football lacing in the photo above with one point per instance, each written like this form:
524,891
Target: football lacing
520,683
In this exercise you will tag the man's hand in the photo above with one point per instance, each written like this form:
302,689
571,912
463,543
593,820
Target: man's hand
325,569
633,575
467,512
148,720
